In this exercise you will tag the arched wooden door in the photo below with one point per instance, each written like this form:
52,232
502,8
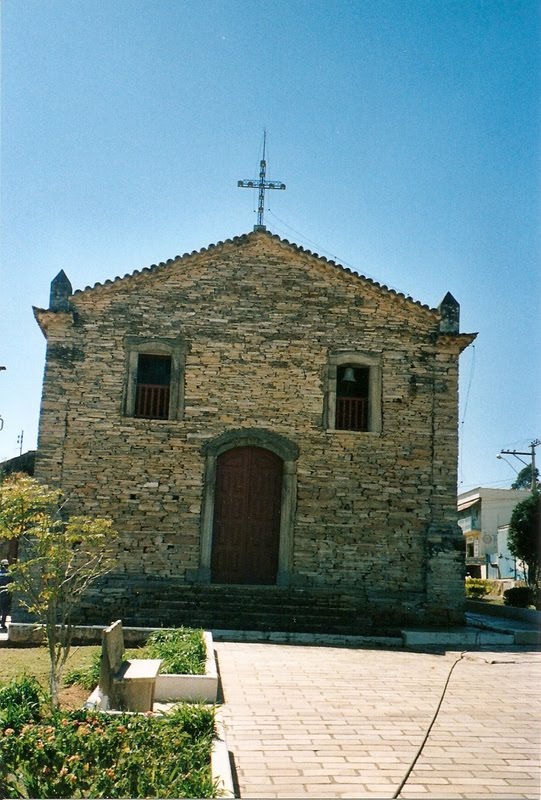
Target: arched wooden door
246,532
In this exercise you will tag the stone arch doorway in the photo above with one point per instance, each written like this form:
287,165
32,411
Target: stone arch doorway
247,508
255,469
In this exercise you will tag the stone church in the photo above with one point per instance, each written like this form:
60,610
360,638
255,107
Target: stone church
273,435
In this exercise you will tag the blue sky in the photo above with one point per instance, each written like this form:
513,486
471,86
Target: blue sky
407,132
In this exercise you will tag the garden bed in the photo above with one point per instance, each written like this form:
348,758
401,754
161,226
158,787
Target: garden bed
173,687
198,688
91,754
32,662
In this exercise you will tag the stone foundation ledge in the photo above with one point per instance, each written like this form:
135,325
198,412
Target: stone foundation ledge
456,639
29,633
32,633
505,612
286,637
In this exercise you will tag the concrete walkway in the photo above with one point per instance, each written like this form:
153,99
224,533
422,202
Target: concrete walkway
331,722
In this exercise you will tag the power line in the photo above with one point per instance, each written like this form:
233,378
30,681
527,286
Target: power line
484,484
531,453
323,250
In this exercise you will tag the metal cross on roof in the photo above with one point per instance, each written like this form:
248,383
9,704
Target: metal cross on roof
261,184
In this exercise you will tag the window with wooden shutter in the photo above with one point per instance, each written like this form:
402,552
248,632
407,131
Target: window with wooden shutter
352,398
153,390
353,392
154,386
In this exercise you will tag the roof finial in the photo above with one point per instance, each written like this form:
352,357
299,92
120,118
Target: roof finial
60,291
261,184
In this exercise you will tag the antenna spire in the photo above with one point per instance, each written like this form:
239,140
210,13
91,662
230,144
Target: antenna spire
261,184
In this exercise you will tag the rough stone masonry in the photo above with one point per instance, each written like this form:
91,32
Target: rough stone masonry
257,333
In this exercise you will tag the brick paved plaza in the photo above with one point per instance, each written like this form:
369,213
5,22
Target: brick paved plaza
330,722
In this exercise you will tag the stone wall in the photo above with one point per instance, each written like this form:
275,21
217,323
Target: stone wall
257,319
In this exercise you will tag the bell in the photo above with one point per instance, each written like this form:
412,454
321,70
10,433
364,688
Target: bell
349,375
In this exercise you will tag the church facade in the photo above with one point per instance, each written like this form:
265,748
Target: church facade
267,430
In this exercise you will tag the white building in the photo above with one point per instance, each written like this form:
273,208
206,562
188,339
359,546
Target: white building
484,515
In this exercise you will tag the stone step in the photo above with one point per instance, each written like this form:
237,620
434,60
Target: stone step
268,609
307,622
216,607
153,602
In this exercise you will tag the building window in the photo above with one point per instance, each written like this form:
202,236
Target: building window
353,400
155,378
153,386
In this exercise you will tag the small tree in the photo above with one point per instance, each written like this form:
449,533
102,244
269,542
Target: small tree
59,557
524,539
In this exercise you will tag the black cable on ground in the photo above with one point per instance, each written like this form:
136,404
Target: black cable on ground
429,729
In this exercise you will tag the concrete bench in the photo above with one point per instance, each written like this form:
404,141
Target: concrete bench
125,684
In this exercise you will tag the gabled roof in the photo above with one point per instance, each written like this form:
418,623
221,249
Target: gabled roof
446,315
246,238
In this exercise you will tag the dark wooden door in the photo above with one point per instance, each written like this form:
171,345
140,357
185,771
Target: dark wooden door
246,534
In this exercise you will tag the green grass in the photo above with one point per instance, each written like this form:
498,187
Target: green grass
85,674
34,661
489,601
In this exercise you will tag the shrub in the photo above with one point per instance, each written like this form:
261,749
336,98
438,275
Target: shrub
520,596
20,702
182,650
88,754
477,588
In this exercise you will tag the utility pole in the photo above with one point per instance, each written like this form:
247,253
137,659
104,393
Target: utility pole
261,184
531,453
